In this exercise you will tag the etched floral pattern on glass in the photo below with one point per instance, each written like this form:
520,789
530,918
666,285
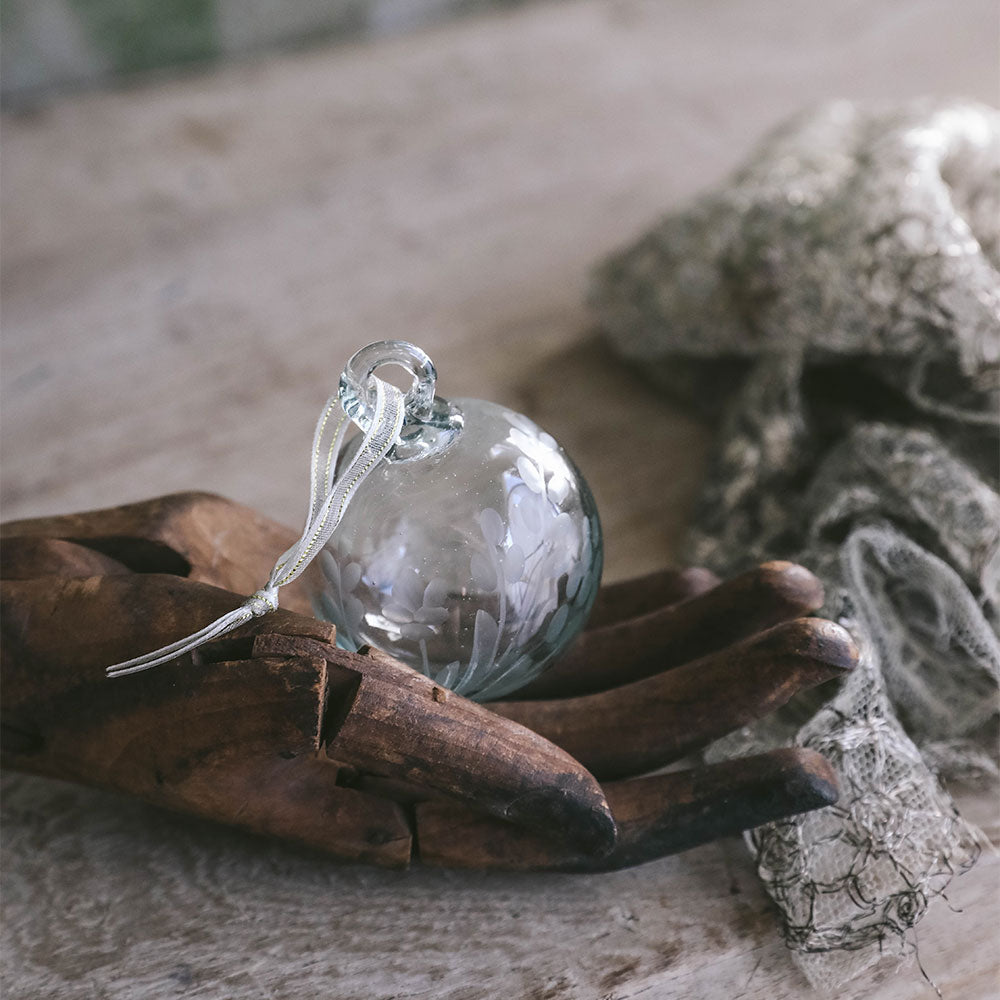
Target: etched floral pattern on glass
477,565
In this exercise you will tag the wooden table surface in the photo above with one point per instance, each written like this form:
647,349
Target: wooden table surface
187,264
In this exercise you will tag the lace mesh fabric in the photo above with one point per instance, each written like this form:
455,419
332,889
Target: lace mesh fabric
843,286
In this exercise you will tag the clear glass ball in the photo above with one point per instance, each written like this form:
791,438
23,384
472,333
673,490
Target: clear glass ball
472,554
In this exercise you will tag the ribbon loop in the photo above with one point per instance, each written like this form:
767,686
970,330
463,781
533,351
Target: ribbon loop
329,495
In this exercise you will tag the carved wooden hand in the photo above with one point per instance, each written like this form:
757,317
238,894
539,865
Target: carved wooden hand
274,729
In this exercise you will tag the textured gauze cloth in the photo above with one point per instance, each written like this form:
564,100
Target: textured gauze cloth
836,304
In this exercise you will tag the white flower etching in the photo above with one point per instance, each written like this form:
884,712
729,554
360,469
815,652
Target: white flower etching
581,582
485,639
415,608
418,610
527,556
523,587
538,449
489,576
338,602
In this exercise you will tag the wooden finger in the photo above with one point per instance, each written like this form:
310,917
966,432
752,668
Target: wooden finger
236,742
626,599
656,816
373,712
27,557
201,536
651,722
299,800
60,634
401,725
623,651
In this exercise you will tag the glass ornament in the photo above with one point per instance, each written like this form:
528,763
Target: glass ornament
472,552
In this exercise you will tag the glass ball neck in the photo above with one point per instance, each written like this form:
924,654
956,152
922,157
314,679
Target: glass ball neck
430,423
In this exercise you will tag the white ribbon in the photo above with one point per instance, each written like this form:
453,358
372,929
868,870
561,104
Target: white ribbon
329,495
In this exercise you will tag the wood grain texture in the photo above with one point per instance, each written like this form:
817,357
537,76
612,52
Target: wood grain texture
646,643
625,599
185,268
204,740
652,722
399,724
657,815
198,535
240,731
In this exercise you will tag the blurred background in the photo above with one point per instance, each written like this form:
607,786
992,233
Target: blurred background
72,43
